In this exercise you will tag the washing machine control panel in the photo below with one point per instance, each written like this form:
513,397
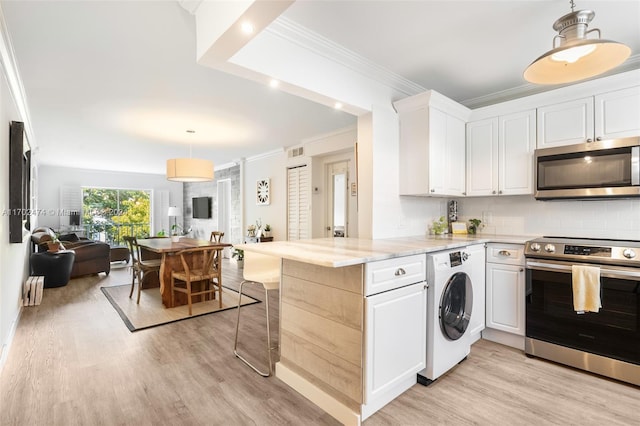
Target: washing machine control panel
456,258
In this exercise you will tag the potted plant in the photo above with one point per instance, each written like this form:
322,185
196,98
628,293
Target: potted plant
54,244
474,225
175,232
439,226
238,254
267,230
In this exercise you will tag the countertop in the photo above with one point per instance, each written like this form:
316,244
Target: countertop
339,252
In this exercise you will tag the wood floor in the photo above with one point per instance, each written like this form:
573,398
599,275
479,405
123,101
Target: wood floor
73,362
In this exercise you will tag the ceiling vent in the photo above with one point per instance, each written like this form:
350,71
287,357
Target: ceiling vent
296,152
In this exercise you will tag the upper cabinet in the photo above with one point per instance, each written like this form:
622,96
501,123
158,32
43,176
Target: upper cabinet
500,155
432,145
605,116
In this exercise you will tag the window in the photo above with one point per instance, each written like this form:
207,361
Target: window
110,214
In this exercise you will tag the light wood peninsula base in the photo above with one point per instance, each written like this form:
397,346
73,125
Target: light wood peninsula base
321,336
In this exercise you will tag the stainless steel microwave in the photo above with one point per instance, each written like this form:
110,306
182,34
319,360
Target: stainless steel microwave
600,169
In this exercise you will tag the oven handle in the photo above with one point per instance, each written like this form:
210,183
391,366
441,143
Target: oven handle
566,267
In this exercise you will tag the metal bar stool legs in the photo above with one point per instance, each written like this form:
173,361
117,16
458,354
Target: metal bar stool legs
269,348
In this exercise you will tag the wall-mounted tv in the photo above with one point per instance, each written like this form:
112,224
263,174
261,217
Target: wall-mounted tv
201,207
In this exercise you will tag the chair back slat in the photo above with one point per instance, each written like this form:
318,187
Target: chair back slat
134,248
216,236
210,259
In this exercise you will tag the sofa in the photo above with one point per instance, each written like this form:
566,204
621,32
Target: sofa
91,257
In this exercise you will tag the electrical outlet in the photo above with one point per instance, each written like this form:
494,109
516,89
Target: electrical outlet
487,218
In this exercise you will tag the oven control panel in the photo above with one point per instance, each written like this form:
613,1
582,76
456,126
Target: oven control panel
587,250
616,252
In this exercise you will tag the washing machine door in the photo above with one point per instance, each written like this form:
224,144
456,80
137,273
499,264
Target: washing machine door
455,305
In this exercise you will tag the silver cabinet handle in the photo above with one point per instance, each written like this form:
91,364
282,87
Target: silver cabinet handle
504,253
400,272
598,138
433,190
493,192
589,140
521,269
426,286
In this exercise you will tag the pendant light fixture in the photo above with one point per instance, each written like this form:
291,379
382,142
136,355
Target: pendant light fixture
576,57
189,169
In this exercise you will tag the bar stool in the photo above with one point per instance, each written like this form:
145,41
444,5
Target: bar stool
264,270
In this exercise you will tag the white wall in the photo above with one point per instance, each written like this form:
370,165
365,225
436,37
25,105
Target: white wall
271,166
52,178
14,258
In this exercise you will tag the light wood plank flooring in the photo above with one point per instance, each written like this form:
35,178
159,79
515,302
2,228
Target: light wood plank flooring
73,362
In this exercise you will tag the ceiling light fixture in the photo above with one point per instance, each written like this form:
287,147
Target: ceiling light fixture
576,57
274,83
247,28
189,169
338,105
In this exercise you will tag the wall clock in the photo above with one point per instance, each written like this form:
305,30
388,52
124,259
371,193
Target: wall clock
262,193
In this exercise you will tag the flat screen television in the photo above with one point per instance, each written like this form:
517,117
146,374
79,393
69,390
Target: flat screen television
201,207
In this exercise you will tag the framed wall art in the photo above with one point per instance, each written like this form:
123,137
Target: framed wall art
263,196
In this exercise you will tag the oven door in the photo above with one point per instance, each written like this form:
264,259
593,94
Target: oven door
613,332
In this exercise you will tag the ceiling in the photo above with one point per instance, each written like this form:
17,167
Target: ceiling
115,85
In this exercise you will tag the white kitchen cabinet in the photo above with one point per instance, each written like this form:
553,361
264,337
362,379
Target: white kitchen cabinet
505,298
396,324
432,145
608,115
500,155
617,114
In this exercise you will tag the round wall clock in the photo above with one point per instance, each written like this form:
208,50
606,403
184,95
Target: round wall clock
263,192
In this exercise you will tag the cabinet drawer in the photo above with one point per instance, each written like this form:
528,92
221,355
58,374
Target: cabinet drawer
394,273
511,254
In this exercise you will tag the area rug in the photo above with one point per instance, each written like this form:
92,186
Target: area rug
152,313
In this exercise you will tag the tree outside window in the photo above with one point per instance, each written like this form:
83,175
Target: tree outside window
110,214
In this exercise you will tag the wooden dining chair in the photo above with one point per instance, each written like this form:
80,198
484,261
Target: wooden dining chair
216,236
201,264
139,267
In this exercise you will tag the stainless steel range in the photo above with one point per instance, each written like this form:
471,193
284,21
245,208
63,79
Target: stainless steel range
606,342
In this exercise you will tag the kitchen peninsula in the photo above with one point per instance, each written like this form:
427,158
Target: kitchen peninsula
330,343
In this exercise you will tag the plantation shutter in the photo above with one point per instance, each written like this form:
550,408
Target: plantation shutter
298,203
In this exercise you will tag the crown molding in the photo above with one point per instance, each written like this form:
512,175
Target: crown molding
10,68
531,89
295,33
267,154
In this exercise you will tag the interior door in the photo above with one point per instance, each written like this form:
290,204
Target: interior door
337,203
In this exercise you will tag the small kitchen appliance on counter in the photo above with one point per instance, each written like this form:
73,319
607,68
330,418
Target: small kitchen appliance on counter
605,342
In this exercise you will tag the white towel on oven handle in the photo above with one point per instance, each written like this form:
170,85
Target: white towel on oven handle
586,288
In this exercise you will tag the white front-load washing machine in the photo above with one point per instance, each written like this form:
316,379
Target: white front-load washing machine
450,276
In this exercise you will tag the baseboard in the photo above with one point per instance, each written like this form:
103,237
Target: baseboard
504,338
332,406
4,349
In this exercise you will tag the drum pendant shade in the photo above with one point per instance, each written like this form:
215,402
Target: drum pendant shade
189,170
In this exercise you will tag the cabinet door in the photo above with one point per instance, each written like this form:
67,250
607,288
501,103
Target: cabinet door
482,157
505,298
437,151
517,142
617,114
565,123
455,158
395,333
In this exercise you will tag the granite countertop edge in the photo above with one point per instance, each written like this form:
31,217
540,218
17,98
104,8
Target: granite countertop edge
339,252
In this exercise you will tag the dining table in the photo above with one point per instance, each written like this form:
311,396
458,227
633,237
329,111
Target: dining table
168,249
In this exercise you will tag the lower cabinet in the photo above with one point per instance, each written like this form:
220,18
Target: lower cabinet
395,343
505,298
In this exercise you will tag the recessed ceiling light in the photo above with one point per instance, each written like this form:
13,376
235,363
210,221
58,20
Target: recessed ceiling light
338,105
274,83
190,131
247,28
